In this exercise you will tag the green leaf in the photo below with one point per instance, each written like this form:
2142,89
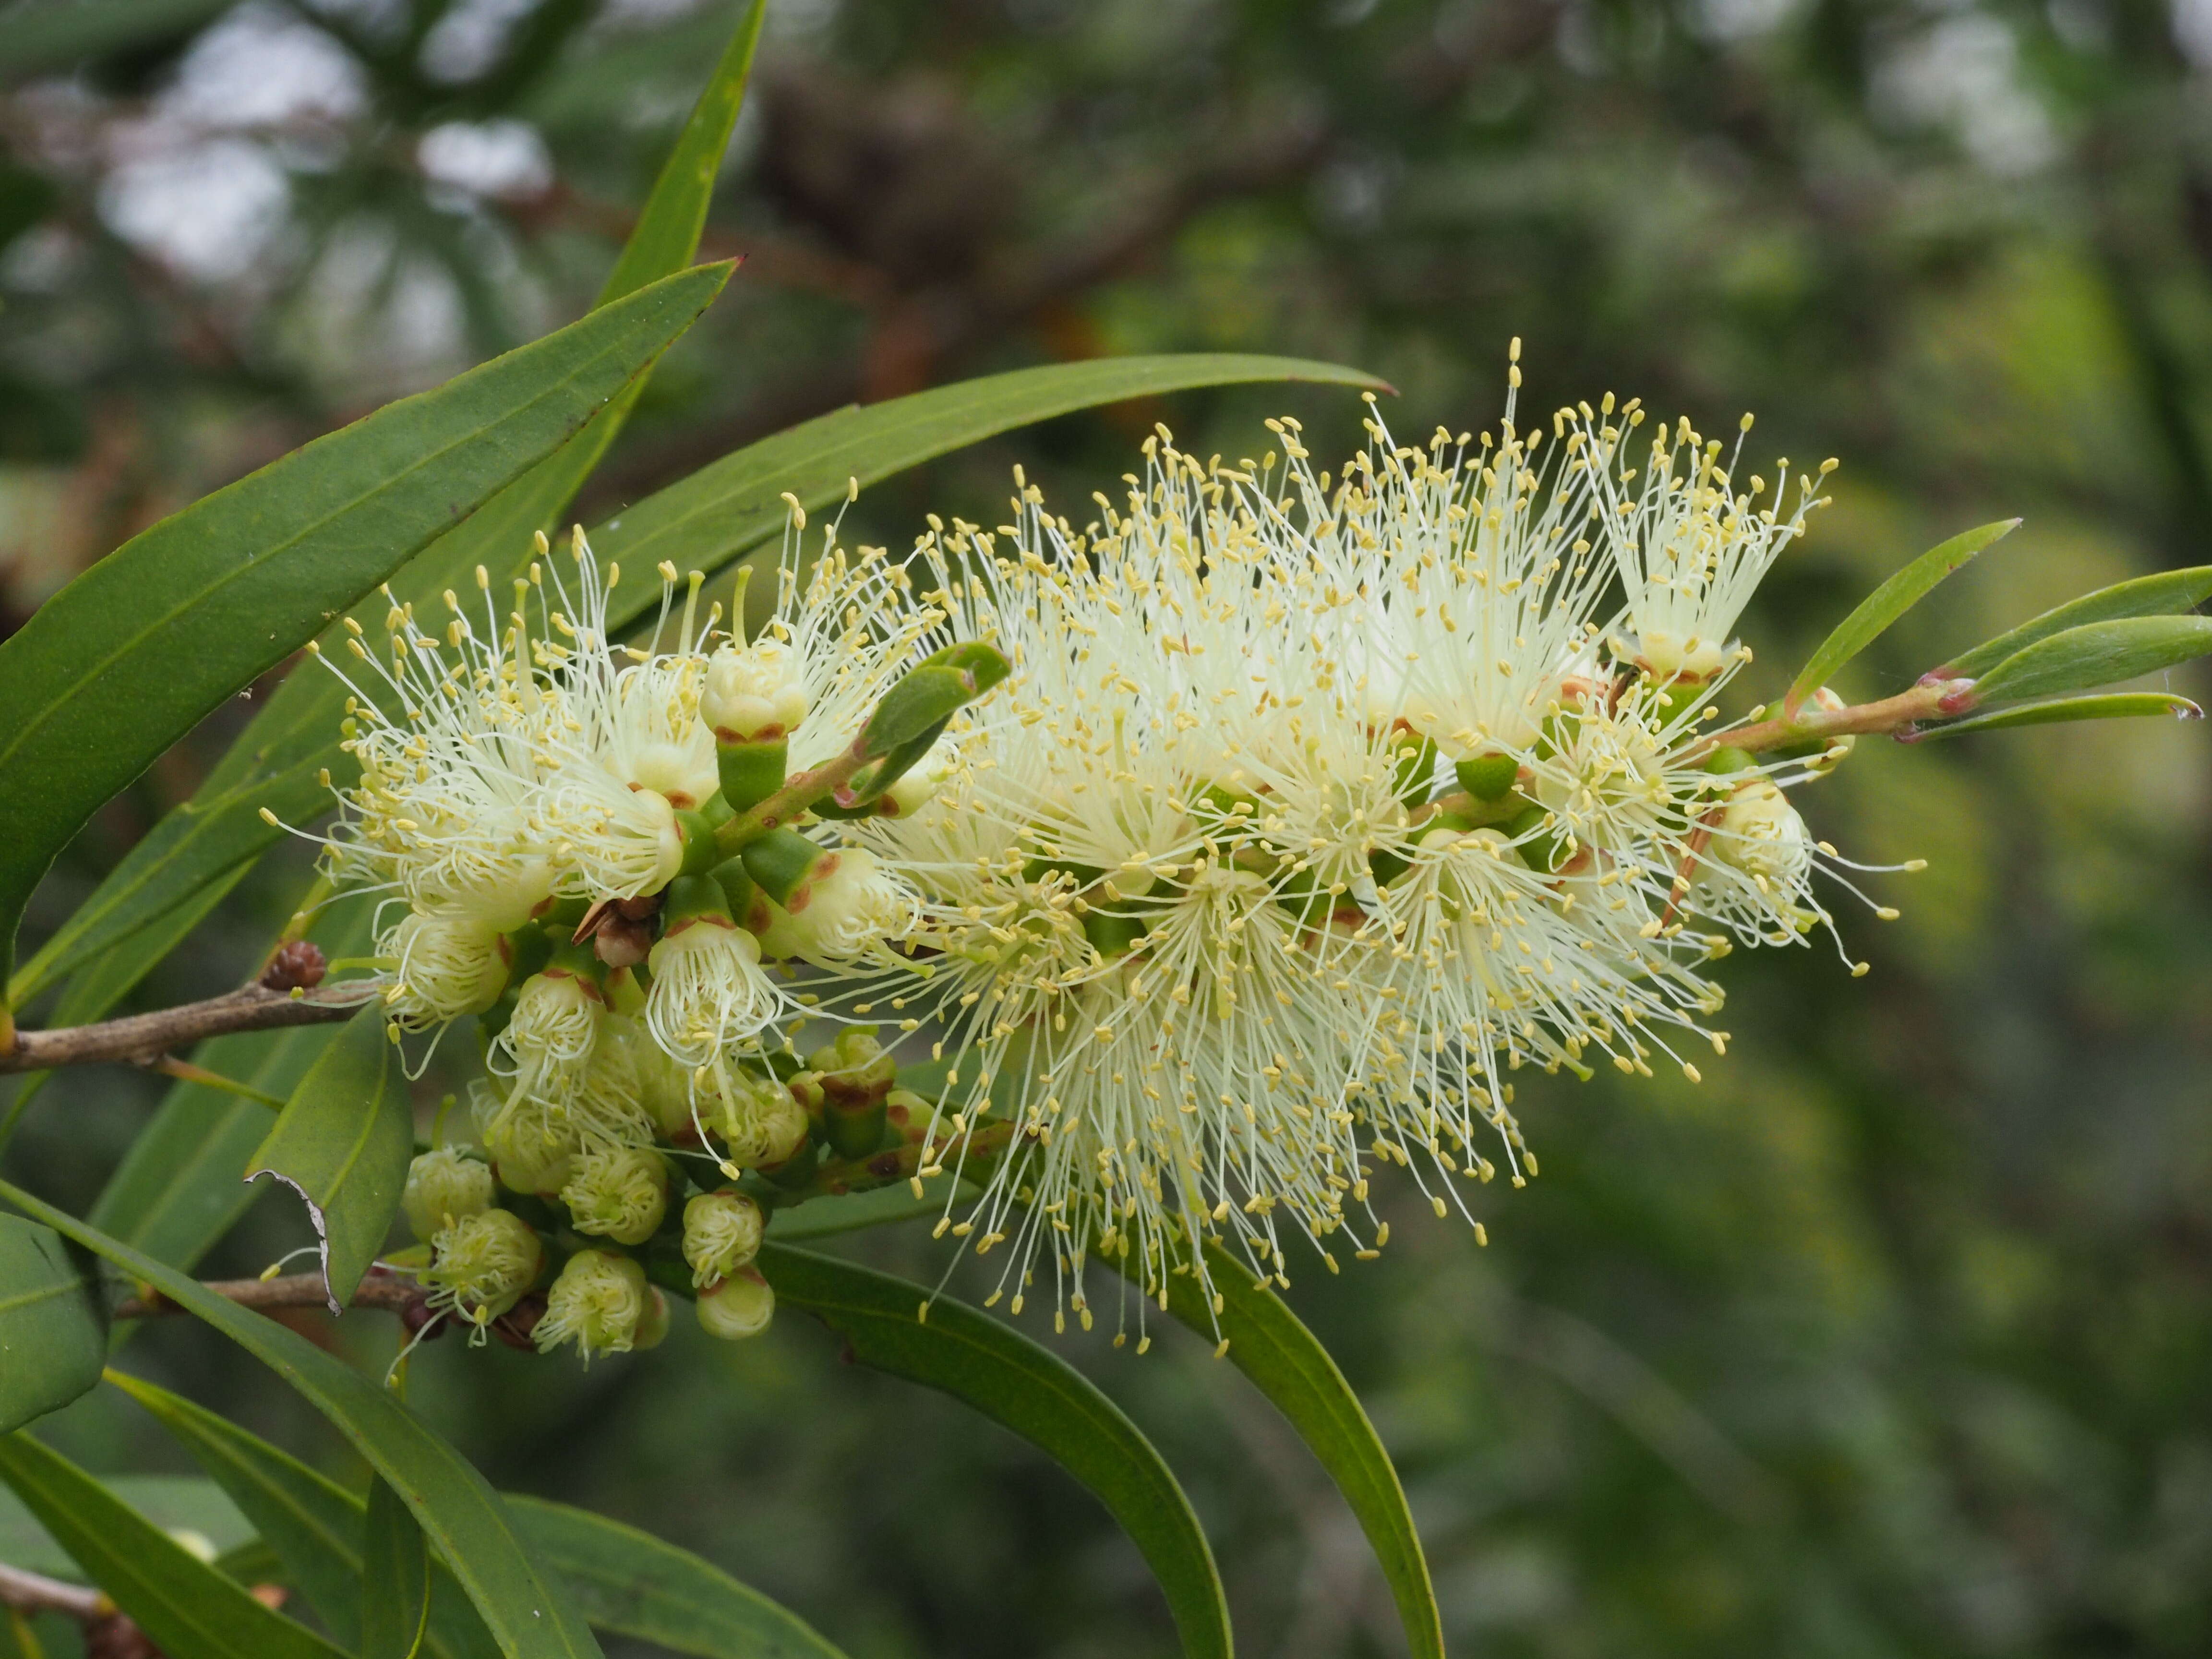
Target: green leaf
277,761
105,980
35,39
178,1188
314,1525
54,1330
171,878
395,1577
175,1503
343,1142
822,1218
2099,653
629,1583
735,504
2115,705
1011,1380
528,1613
189,1609
666,235
126,659
2163,594
632,1585
914,713
1287,1362
1904,590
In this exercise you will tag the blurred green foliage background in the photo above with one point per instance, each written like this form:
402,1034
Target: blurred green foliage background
1893,1337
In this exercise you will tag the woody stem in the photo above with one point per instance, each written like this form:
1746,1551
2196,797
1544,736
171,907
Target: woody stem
143,1038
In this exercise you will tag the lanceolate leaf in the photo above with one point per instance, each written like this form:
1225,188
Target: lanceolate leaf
175,1503
314,1524
343,1142
735,504
53,1333
2166,593
395,1577
2115,705
275,763
1887,603
107,979
189,1609
1001,1373
632,1585
528,1613
2099,653
629,1583
122,661
1286,1361
181,1186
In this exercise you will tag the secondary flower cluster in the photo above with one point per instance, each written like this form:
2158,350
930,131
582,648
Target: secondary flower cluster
1312,808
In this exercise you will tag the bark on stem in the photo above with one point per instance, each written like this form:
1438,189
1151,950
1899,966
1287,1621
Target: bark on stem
141,1038
287,1291
1931,700
34,1592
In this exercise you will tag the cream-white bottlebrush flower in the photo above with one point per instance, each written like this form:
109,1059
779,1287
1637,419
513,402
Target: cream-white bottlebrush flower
445,962
1311,810
1691,547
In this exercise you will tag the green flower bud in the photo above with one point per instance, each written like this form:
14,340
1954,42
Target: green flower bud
739,1307
598,1302
528,1154
755,1117
1761,835
845,1086
621,1194
663,1089
721,1233
444,1187
652,1326
483,1263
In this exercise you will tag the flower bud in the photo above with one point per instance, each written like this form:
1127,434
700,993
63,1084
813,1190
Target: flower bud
842,913
1761,835
756,1118
443,1187
721,1233
709,993
449,964
653,1325
845,1086
619,1194
598,1302
549,1039
528,1154
663,1089
738,1307
753,691
483,1263
919,784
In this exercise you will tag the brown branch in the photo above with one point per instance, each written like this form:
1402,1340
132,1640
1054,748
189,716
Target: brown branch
384,1290
34,1592
141,1038
1931,700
